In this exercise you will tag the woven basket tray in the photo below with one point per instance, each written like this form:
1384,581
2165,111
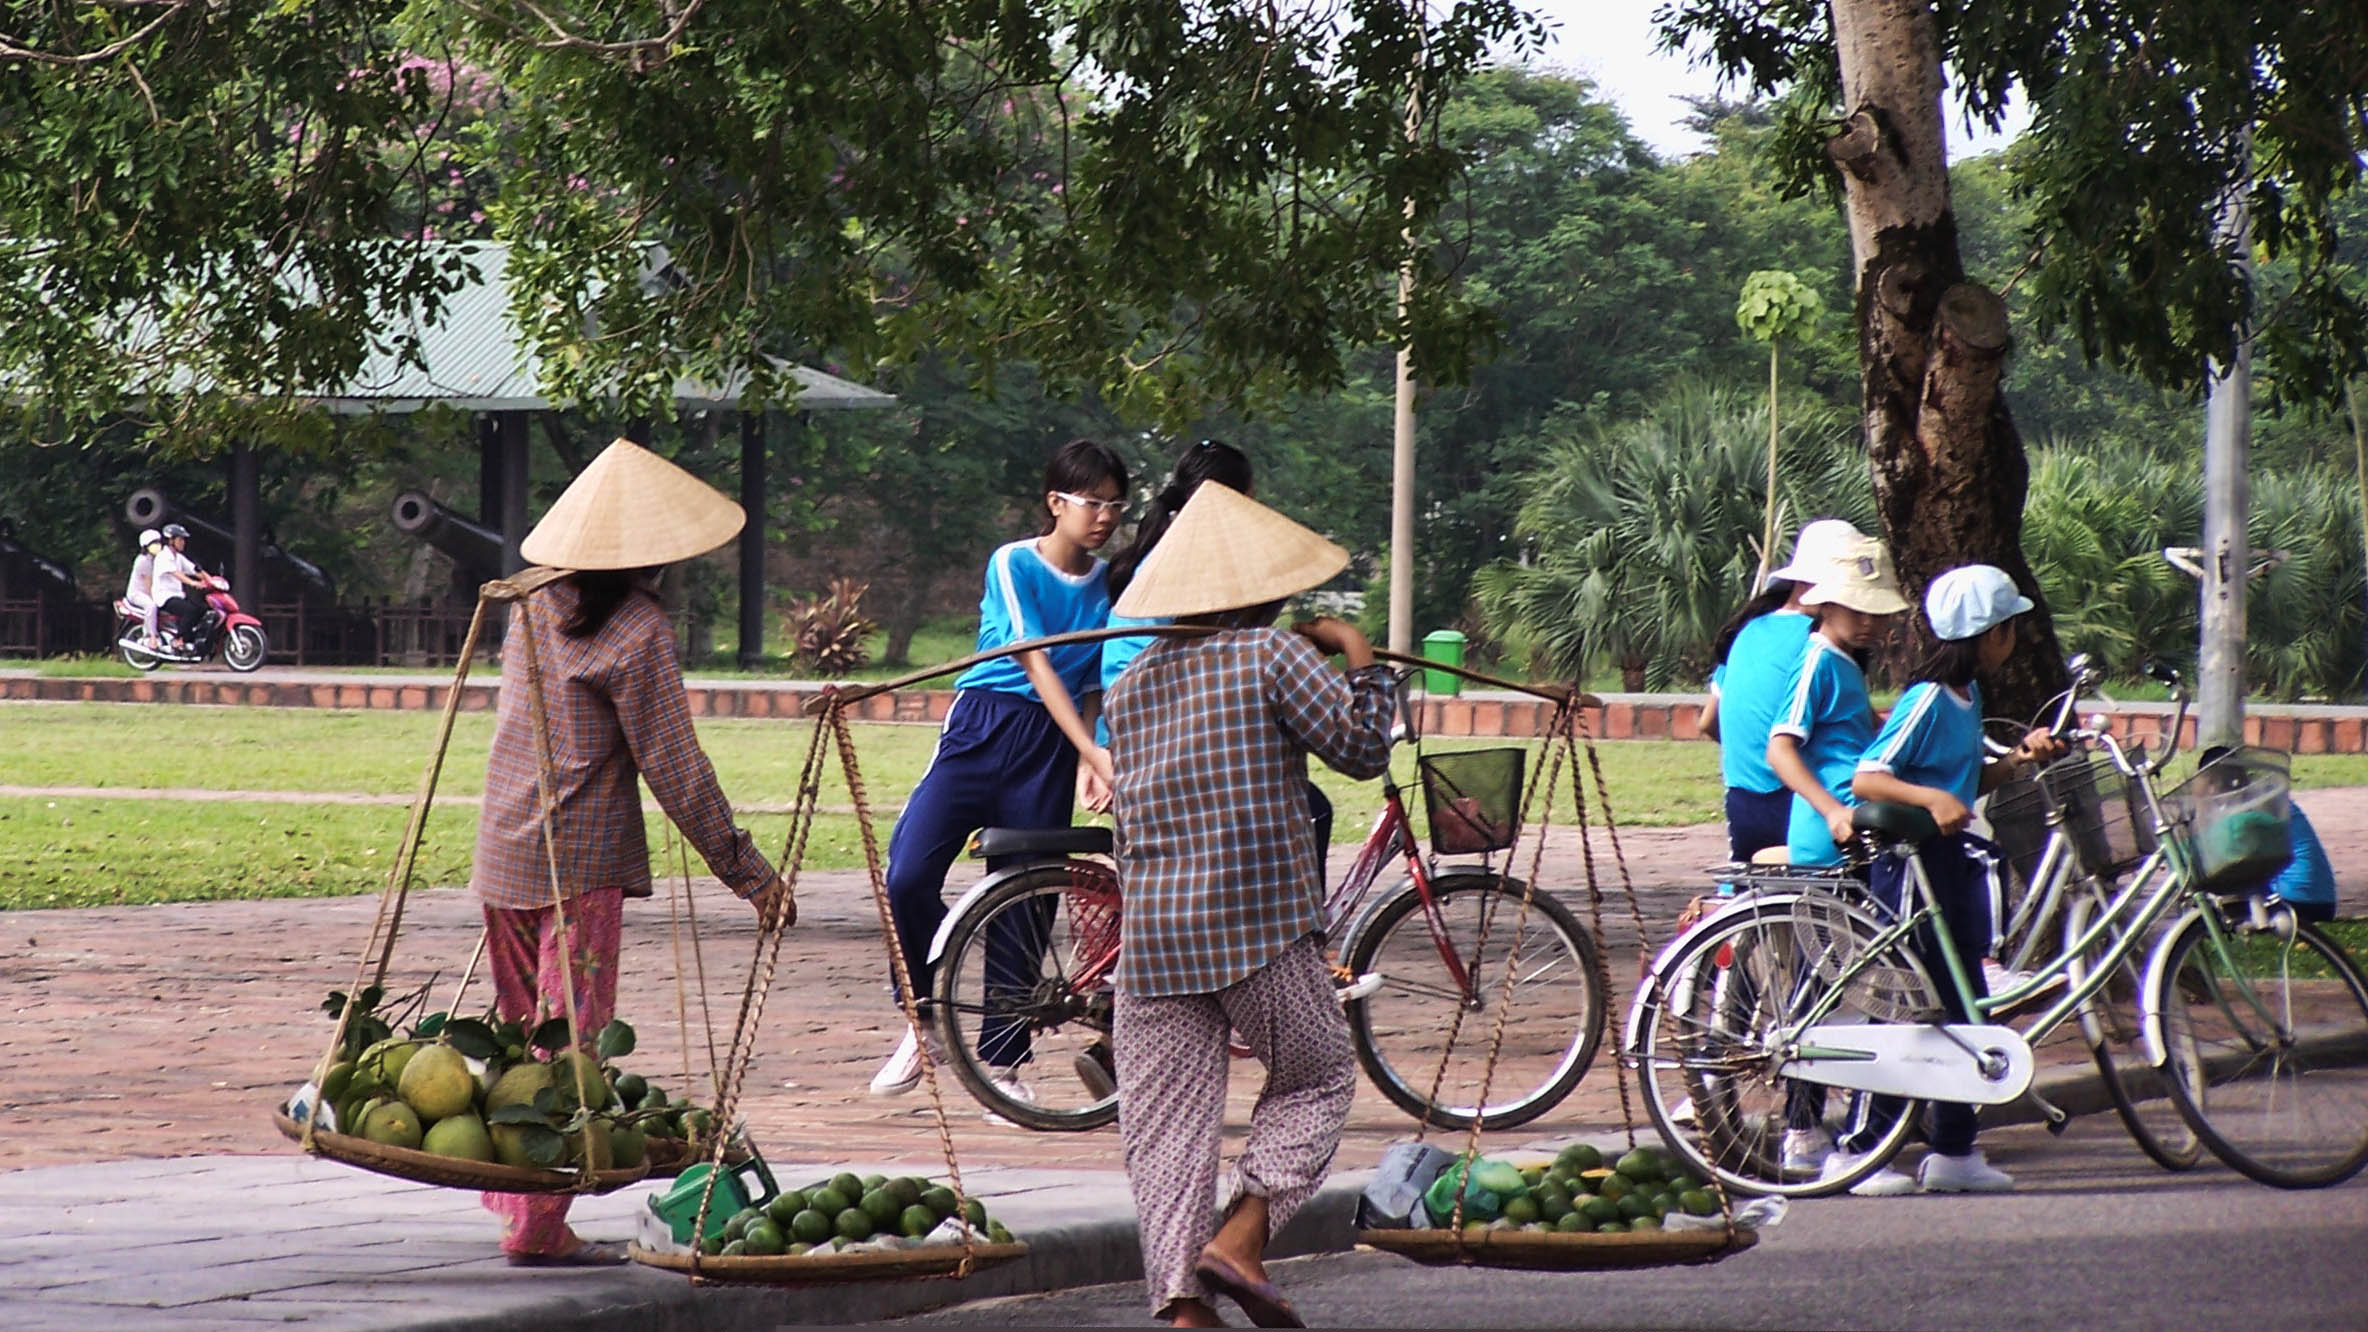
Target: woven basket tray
807,1269
1559,1252
667,1159
452,1172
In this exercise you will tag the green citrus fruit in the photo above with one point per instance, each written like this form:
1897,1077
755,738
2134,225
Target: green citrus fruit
784,1206
848,1186
1644,1223
740,1222
631,1088
1600,1209
1574,1223
939,1199
829,1201
764,1239
1615,1187
1635,1205
1640,1165
906,1189
997,1233
810,1227
916,1221
975,1210
462,1136
871,1182
1698,1202
1580,1156
1612,1228
881,1206
854,1224
735,1249
1521,1209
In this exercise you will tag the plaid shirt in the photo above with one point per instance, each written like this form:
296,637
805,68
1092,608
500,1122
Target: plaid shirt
1210,739
616,712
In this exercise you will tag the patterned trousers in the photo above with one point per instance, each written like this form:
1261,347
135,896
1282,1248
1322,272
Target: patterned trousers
522,953
1172,1069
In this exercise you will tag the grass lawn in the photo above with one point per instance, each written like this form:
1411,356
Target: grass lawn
78,852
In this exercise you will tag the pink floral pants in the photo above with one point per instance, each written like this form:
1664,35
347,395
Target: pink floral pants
522,953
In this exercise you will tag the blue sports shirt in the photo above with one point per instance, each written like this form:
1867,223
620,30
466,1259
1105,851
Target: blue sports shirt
1751,685
1117,655
1027,598
1934,738
1827,712
2308,877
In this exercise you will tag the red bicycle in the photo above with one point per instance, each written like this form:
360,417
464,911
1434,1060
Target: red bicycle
1024,964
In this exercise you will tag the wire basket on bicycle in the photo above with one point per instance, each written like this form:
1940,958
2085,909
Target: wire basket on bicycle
1473,797
2101,807
2231,818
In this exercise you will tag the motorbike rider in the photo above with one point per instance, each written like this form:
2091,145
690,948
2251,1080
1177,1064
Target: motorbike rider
138,594
179,585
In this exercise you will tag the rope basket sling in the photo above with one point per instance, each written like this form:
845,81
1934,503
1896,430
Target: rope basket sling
377,954
1454,1244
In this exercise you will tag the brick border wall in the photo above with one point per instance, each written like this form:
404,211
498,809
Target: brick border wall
2315,730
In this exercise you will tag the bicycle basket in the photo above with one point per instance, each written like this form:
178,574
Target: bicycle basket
1473,797
2017,813
2103,810
2231,819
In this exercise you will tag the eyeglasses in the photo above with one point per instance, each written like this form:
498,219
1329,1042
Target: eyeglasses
1099,506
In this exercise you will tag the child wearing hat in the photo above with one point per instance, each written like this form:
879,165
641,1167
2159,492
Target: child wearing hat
1929,754
1209,739
1758,654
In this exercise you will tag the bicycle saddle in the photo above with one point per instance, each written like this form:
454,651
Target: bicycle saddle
995,843
1886,821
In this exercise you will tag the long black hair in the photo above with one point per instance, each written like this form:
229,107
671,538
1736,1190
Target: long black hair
1080,465
1952,662
599,592
1772,597
1209,460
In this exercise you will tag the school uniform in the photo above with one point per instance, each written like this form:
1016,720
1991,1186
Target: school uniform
1752,685
1828,714
1934,738
1001,762
2307,883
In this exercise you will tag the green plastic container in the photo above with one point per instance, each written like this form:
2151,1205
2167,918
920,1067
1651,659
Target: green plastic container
1443,645
749,1184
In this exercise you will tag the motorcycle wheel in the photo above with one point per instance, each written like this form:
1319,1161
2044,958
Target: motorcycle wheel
244,649
139,659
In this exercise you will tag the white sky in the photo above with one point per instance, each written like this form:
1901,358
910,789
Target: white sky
1613,42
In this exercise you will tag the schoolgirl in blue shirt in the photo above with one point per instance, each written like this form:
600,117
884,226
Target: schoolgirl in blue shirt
1758,654
1015,751
1929,754
1827,720
1208,460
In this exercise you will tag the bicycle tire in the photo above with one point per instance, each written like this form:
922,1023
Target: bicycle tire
2111,1023
2205,1000
1702,1032
1070,1023
1558,1030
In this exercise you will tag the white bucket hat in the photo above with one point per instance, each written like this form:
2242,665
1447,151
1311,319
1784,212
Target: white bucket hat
1972,599
1819,548
1860,578
1225,552
629,510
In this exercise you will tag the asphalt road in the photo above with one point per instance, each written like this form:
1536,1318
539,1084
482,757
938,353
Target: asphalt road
2094,1237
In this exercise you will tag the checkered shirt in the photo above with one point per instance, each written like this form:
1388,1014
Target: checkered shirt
617,713
1210,739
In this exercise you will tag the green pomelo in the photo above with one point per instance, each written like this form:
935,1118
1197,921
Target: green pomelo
847,1186
829,1201
436,1083
916,1221
1600,1209
578,1074
854,1224
1521,1209
392,1124
1580,1156
509,1146
881,1206
1615,1187
1698,1202
629,1146
765,1240
518,1086
1640,1165
337,1081
602,1147
462,1135
1572,1223
939,1199
906,1189
389,1057
1634,1206
810,1227
785,1206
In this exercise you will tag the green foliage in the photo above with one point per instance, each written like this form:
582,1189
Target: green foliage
1641,536
1776,306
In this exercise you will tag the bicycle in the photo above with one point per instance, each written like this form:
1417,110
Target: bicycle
1785,992
1025,960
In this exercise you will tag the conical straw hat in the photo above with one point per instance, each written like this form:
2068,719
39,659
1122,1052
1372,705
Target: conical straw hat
1224,552
631,509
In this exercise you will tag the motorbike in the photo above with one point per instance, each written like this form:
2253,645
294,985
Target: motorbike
225,629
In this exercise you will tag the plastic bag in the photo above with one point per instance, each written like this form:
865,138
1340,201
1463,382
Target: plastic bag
1394,1199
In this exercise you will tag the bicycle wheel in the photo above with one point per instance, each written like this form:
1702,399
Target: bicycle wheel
2279,1031
1557,1003
2116,1037
1023,997
1707,1033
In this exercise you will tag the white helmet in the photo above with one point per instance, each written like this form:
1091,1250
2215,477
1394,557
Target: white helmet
149,537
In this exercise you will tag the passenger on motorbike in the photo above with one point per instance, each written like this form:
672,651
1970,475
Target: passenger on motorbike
139,593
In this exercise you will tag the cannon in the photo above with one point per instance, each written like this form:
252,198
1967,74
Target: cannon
148,507
475,550
41,606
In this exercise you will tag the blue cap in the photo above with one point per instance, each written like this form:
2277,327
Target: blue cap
1972,599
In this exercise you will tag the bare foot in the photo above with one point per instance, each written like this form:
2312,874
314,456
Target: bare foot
1193,1313
1241,1240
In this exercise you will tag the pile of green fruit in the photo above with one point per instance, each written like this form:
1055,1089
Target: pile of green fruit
1577,1195
844,1211
489,1090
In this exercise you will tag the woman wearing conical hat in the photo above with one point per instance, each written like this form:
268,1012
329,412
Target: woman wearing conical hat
1209,740
617,716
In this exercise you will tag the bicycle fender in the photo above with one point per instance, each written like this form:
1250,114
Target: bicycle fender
2158,1050
945,928
1921,1061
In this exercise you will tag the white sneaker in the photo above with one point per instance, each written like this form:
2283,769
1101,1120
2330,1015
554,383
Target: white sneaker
902,1072
1349,989
1007,1081
1805,1150
1884,1183
1970,1173
1682,1113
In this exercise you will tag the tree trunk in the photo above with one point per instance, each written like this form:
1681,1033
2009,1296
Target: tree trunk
910,607
1949,469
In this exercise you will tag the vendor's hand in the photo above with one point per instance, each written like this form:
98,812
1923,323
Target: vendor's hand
2039,746
1093,791
1949,812
775,908
1837,822
1337,638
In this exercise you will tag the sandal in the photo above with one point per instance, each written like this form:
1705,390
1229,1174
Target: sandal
586,1254
1259,1299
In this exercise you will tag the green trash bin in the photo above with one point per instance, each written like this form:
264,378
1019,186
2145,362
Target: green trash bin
1444,645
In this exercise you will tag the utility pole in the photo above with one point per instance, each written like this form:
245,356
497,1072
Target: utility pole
1402,430
2227,552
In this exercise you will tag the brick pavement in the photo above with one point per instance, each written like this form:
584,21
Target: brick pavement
170,1030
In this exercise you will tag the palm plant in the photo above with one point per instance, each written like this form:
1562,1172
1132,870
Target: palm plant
2094,527
2304,621
1641,537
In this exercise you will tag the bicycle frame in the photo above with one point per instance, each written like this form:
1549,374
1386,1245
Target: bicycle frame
1393,835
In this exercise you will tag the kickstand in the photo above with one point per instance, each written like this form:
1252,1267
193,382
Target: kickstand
2050,1114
